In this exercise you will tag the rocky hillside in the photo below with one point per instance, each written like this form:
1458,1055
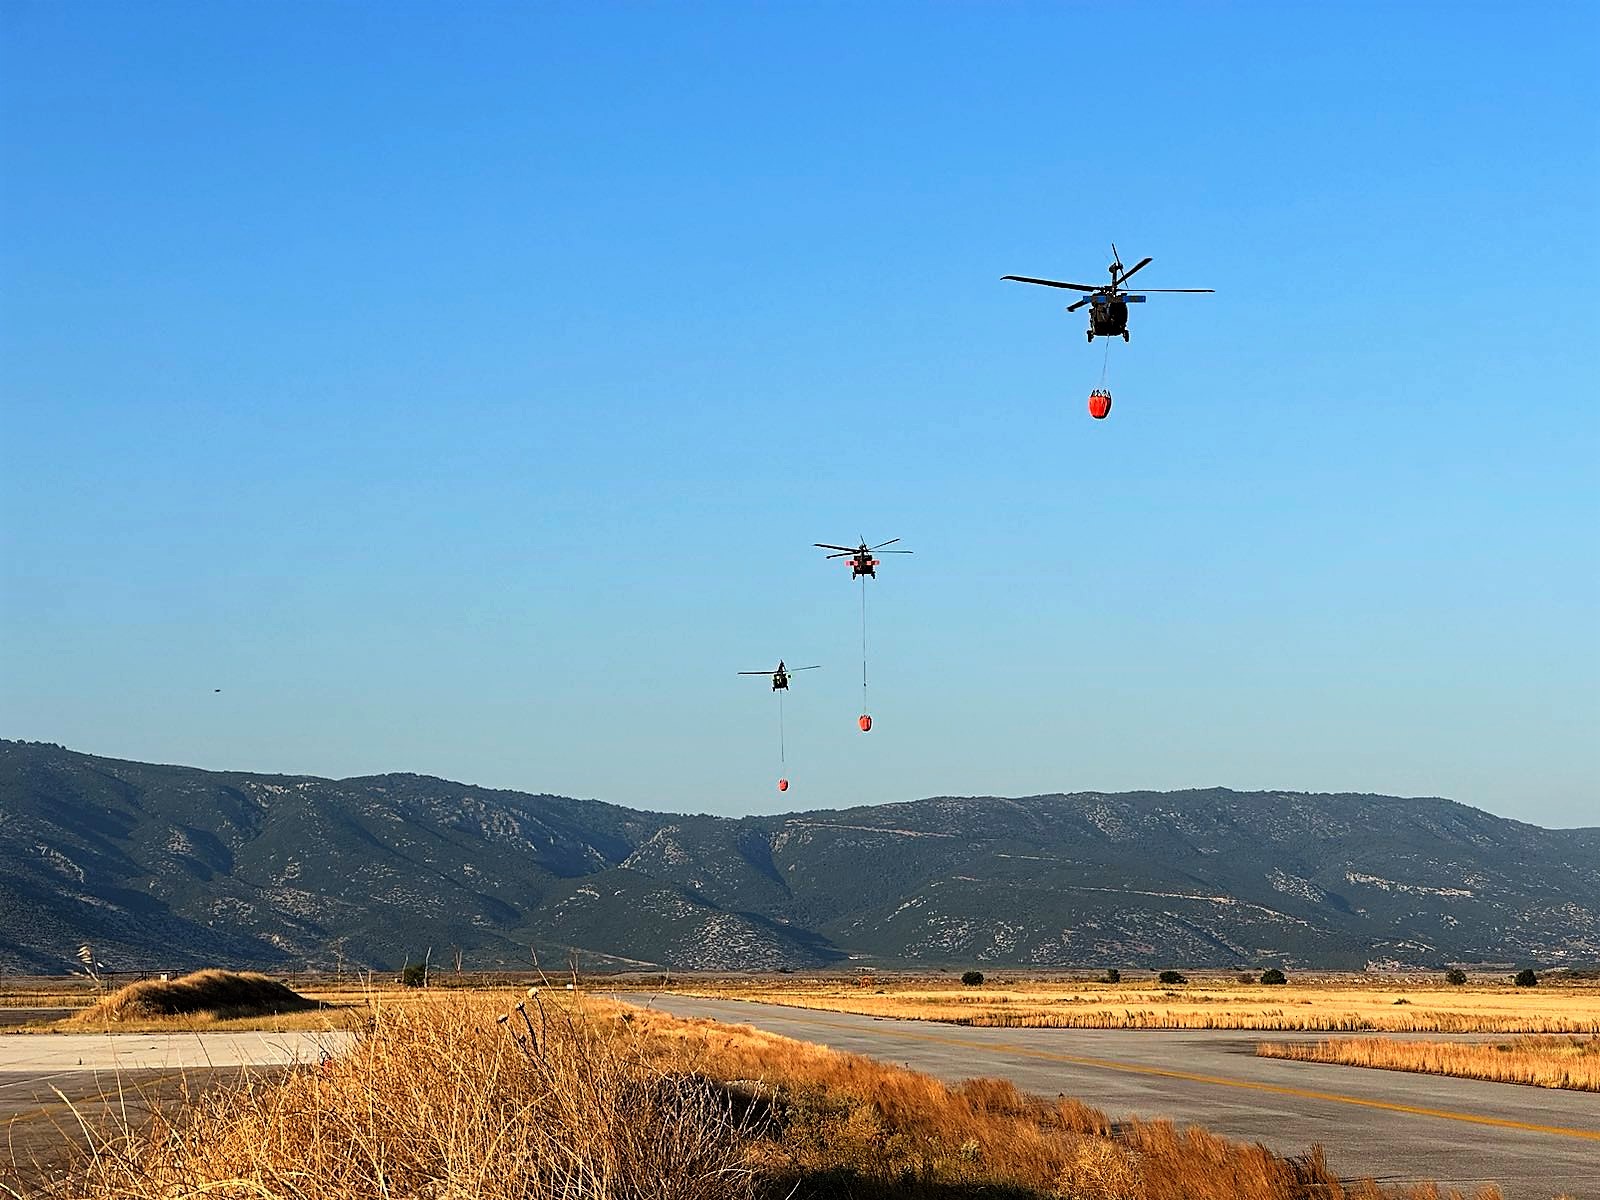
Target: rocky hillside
161,866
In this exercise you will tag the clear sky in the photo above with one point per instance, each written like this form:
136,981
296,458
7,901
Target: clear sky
460,388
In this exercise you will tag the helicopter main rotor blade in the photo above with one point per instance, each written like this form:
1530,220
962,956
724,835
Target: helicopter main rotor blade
899,551
881,545
1169,290
1076,287
767,672
825,546
1143,262
812,667
1078,305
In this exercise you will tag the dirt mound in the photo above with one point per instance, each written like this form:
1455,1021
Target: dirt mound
214,993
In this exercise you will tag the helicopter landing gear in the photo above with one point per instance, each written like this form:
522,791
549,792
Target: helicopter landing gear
1124,335
1089,333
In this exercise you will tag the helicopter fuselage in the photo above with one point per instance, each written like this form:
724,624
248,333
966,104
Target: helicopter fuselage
1108,320
863,566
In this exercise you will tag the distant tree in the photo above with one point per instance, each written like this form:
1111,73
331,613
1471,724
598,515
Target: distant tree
1171,977
414,974
972,978
1455,975
1113,975
1273,975
1526,978
1246,977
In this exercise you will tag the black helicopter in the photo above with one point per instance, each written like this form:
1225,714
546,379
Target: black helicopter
780,677
1108,306
861,561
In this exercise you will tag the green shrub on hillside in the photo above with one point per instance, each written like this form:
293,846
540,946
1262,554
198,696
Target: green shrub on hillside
972,978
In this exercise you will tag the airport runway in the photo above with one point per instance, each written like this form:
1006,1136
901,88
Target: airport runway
1392,1126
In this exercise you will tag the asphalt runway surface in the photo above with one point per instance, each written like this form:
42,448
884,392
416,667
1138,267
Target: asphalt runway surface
1392,1126
50,1082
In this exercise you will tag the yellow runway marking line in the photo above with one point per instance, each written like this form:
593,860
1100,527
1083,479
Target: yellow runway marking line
1220,1081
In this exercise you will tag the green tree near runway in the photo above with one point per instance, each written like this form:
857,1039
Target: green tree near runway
1113,975
1526,978
972,978
1456,976
1273,975
1172,977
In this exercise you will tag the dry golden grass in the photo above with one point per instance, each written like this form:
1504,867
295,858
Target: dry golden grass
214,994
445,1098
1555,1062
434,1100
346,1017
1418,1006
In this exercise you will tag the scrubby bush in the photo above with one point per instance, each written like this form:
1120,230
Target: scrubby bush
414,974
1113,975
1273,975
972,978
1526,978
1171,977
1456,976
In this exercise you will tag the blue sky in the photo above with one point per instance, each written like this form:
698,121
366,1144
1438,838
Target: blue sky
460,388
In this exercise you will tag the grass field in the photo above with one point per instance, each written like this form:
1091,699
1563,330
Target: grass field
460,1095
1338,1006
1555,1062
1313,1003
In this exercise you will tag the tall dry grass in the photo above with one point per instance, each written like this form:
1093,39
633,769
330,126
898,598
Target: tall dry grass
1554,1062
448,1099
435,1100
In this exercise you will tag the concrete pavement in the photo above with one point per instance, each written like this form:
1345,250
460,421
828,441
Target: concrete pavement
113,1077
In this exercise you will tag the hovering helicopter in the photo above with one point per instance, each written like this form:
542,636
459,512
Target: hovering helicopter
1108,306
780,677
861,561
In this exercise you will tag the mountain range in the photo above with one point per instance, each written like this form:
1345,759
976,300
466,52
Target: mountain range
162,867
